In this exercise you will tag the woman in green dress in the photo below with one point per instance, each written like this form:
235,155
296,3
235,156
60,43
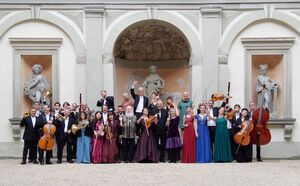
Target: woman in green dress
222,141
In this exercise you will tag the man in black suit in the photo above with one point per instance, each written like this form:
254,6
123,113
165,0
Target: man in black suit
64,136
160,129
46,116
30,136
106,100
140,101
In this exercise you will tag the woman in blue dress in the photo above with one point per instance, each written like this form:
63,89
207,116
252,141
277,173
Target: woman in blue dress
83,139
203,148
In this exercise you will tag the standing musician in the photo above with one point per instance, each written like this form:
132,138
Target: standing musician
243,153
30,136
46,116
106,100
128,125
64,136
46,142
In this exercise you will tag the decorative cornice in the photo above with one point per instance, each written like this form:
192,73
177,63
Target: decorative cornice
35,42
268,42
211,12
94,11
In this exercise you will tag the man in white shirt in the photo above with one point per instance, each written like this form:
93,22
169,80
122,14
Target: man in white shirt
30,136
64,136
140,101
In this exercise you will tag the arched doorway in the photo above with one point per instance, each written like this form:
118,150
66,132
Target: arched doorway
147,43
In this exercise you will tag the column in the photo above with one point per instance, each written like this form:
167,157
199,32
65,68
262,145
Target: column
94,67
211,33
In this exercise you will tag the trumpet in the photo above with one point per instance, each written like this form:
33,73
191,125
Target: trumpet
80,125
61,117
25,114
47,94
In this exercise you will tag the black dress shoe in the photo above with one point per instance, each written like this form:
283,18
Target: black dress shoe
70,161
30,161
35,162
162,160
59,162
49,163
259,160
23,162
125,161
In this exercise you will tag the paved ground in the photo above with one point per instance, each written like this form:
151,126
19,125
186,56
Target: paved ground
284,172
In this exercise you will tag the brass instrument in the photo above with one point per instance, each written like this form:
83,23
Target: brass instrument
61,117
47,94
80,125
26,114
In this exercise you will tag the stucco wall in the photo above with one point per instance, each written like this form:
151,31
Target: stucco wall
236,62
67,67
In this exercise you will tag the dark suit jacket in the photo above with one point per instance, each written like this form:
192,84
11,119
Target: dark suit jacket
109,102
31,133
160,128
60,127
137,99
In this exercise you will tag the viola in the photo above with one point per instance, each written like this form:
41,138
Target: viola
46,142
261,134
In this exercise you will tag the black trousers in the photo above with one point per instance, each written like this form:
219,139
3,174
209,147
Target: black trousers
60,146
174,155
212,132
128,148
32,147
48,155
160,140
244,153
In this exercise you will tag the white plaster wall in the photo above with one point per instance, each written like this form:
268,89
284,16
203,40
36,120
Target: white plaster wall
67,68
236,64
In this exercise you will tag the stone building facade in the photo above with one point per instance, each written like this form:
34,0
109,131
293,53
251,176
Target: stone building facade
198,45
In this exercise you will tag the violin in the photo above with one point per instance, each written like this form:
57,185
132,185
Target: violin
46,142
261,134
242,137
217,97
108,132
149,121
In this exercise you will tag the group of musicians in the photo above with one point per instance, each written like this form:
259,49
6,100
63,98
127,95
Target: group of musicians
141,129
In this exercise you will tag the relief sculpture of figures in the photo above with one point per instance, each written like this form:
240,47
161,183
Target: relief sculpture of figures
36,87
271,86
153,82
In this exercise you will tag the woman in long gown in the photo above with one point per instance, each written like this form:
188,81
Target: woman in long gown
97,141
189,137
173,143
146,149
83,140
203,148
110,149
222,139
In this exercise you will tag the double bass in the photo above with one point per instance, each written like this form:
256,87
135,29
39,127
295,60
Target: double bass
46,142
260,134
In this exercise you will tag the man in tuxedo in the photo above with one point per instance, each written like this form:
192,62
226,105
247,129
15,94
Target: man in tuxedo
64,136
56,108
140,101
160,129
106,100
30,136
47,117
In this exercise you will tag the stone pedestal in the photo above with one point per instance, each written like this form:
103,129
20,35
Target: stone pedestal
287,123
15,125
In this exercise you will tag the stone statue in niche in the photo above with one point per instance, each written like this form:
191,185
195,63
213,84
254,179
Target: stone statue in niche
153,82
271,102
37,87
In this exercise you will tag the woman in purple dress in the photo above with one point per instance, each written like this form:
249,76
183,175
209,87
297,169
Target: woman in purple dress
110,149
173,143
146,149
97,142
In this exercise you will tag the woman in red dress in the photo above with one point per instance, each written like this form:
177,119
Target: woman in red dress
189,138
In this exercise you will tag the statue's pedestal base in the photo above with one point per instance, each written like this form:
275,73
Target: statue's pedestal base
15,125
287,123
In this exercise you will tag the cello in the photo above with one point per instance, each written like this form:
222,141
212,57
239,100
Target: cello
46,142
260,134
